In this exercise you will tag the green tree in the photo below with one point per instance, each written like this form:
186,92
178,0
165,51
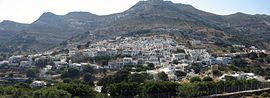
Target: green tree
67,80
180,50
175,62
42,62
160,89
151,66
264,95
88,69
124,89
196,68
11,75
180,73
230,78
267,59
121,76
88,77
186,90
262,55
207,79
195,79
138,78
71,73
106,80
77,89
217,73
163,76
31,73
232,50
253,55
240,62
51,93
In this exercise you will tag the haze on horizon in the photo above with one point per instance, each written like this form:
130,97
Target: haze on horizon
27,11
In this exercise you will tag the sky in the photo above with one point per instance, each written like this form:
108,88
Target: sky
27,11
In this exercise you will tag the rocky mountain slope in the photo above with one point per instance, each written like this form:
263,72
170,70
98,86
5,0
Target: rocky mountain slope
154,16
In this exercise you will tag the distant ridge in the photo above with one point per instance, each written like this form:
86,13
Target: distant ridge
153,15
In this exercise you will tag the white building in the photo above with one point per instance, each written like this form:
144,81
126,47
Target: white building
222,60
179,56
38,84
127,60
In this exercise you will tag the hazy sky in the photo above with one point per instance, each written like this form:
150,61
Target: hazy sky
26,11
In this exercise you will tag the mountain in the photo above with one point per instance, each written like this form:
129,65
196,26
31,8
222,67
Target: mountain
152,16
187,22
45,32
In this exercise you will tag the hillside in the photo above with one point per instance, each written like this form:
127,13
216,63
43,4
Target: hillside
144,17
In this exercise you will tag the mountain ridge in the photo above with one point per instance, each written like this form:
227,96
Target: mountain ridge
176,18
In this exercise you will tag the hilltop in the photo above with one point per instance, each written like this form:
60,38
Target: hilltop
145,17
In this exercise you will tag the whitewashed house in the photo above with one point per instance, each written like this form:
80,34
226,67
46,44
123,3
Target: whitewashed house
38,84
179,56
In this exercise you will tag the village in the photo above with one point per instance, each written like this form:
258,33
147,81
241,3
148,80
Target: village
159,53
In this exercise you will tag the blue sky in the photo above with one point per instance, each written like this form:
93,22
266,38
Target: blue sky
26,11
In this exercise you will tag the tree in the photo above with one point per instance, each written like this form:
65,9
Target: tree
195,79
160,89
207,79
87,44
180,50
233,68
67,80
77,89
163,76
138,78
260,60
264,95
88,78
262,55
106,80
267,59
230,78
124,89
42,62
196,68
217,73
253,55
186,90
51,93
151,66
232,50
121,76
71,73
31,73
240,62
88,69
11,75
180,73
175,62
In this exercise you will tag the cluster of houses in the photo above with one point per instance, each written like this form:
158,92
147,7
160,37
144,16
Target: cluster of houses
162,51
